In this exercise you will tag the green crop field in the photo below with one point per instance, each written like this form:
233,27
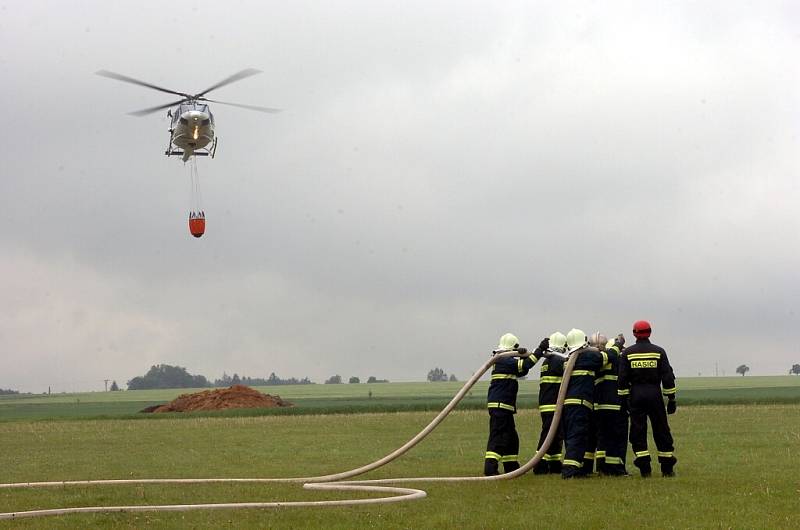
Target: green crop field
384,397
737,464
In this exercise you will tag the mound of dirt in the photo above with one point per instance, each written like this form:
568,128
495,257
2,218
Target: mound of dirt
235,397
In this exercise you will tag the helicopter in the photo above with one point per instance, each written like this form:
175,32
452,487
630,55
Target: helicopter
191,131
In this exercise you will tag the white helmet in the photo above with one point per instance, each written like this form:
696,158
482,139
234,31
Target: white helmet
558,342
598,340
576,339
508,342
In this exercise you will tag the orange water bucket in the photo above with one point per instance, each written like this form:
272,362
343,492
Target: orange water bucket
197,225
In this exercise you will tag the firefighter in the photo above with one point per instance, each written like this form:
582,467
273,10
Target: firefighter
503,444
644,374
549,382
579,404
610,418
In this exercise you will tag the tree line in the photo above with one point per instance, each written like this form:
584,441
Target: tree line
167,376
437,374
354,380
743,369
272,380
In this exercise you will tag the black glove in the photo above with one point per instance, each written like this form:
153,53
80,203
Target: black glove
545,344
522,351
672,406
624,403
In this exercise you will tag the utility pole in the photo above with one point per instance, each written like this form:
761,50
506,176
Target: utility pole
106,381
716,369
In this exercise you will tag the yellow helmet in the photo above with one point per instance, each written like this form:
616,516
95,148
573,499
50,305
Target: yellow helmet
558,342
508,342
576,339
598,340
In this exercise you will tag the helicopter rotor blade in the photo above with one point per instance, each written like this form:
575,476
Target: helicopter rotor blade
126,79
231,79
249,107
145,112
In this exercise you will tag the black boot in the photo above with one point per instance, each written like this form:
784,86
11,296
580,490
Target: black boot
541,468
667,465
643,463
569,472
615,470
491,467
588,467
601,466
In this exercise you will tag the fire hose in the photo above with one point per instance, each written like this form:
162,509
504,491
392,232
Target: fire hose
333,482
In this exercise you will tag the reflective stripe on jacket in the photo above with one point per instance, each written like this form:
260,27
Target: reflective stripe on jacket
503,387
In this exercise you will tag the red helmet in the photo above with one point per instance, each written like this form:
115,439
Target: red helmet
641,329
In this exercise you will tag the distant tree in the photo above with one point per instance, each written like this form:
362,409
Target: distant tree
742,369
795,369
166,376
453,377
334,380
114,386
6,392
354,380
272,380
437,374
373,379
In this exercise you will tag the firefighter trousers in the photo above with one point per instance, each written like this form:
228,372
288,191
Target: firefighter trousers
612,441
577,427
646,402
551,461
503,445
591,445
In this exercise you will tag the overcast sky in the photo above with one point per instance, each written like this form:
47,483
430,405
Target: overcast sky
442,173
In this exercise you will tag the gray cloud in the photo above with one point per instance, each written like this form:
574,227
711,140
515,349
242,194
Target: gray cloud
442,173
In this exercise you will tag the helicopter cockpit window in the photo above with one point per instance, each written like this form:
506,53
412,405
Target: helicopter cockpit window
184,121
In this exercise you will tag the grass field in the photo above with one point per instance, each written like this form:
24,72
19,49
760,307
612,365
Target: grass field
737,469
737,465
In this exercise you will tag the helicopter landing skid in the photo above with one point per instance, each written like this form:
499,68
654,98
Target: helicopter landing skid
180,153
198,152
